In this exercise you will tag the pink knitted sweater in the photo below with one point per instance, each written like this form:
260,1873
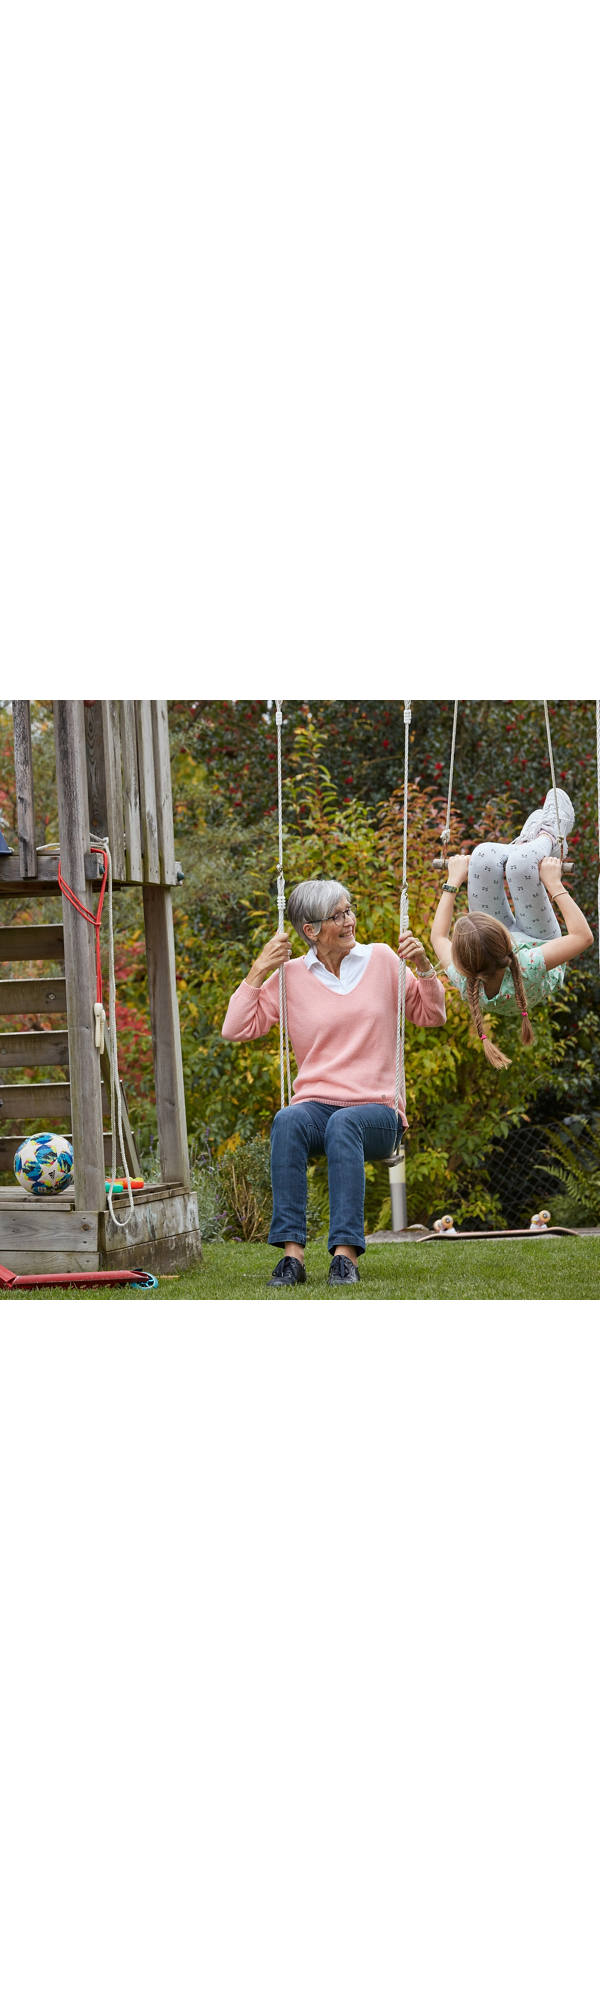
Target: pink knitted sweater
345,1048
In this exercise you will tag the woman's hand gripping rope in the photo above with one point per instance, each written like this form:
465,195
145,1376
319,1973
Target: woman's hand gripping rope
273,955
413,952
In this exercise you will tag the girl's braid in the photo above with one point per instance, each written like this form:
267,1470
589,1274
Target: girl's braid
527,1034
494,1055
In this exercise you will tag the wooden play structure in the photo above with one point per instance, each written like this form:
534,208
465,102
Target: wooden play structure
113,783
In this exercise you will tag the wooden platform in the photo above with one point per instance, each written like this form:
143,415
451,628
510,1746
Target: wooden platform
44,880
50,1234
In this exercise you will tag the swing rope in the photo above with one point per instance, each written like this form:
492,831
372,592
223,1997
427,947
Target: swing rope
115,1081
560,841
100,1020
445,835
598,773
284,1046
401,1016
446,832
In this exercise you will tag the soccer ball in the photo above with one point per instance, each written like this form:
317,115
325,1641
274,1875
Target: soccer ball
44,1163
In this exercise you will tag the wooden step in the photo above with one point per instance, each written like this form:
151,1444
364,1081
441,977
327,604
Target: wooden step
39,1103
31,941
45,880
43,1048
33,996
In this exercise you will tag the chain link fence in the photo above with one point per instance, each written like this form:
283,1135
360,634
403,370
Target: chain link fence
553,1165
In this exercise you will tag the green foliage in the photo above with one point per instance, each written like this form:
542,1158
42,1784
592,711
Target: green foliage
42,743
572,1160
246,1182
500,749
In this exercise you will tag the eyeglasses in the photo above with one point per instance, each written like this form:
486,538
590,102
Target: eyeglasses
339,916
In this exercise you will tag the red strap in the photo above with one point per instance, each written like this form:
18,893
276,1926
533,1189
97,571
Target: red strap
89,914
9,1279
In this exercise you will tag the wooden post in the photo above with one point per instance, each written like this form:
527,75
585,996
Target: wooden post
147,791
131,793
164,795
24,782
166,1039
80,958
114,787
94,746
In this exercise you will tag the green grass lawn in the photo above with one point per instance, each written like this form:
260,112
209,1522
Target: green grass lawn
555,1267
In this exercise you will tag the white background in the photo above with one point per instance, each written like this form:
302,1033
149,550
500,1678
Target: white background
299,391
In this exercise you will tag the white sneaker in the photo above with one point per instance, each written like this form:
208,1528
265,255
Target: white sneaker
544,821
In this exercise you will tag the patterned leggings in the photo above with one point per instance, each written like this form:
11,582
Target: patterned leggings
520,863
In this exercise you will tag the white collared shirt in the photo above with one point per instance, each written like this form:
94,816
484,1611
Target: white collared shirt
351,968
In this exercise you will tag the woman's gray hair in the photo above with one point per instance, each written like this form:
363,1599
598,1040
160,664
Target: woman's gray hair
312,901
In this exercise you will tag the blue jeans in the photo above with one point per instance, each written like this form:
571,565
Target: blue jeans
348,1134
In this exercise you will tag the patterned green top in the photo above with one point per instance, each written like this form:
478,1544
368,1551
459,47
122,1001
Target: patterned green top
539,982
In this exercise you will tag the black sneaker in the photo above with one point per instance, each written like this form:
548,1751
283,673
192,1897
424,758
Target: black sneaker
289,1271
342,1271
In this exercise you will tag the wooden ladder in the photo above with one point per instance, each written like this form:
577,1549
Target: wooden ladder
41,1107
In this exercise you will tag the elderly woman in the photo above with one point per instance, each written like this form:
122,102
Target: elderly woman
342,1004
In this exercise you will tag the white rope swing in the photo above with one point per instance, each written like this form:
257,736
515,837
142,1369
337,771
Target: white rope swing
401,1019
284,1046
560,840
446,832
396,1161
284,1050
598,775
445,836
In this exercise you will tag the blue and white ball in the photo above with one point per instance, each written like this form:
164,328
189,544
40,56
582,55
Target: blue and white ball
44,1163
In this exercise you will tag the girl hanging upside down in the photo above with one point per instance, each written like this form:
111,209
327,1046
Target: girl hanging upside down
508,961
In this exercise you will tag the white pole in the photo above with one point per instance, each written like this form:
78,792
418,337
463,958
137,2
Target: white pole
397,1174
